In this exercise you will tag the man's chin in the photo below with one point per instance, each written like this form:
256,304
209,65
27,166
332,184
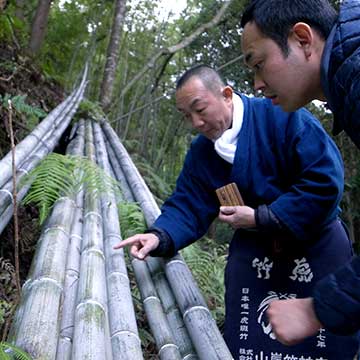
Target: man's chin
287,107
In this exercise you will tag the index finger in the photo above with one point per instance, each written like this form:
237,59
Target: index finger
129,241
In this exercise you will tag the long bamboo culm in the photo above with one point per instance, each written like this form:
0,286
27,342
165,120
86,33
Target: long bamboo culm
37,320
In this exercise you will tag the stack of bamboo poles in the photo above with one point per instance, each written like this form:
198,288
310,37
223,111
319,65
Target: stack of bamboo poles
31,150
77,302
76,305
175,289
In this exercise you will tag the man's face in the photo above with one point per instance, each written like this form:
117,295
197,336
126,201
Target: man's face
209,113
287,81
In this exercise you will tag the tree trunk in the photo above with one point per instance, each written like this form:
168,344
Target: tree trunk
19,12
112,55
39,25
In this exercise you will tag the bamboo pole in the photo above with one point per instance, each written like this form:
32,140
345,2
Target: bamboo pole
171,309
119,174
125,339
156,316
44,147
36,325
72,273
202,327
91,338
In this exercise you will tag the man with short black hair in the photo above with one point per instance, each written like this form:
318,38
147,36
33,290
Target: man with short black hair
301,50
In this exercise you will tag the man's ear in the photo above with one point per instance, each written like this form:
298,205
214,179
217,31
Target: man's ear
303,34
227,92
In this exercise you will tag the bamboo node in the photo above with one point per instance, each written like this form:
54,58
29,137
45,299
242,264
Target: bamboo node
187,312
8,193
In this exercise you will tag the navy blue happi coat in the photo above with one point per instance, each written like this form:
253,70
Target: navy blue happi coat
288,162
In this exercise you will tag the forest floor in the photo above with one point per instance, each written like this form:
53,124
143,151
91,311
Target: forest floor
20,79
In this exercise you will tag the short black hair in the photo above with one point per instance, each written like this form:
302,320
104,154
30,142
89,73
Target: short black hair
275,18
208,76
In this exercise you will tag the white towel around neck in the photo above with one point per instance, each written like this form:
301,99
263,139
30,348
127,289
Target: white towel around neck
225,145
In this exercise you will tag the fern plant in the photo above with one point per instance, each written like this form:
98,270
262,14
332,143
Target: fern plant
207,267
33,113
132,220
64,175
11,352
90,109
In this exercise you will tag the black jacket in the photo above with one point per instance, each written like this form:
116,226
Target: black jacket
337,296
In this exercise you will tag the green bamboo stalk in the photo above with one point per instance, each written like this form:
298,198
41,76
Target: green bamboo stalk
64,346
91,338
123,329
36,326
156,316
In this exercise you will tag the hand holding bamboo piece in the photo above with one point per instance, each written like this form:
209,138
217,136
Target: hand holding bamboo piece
233,210
229,195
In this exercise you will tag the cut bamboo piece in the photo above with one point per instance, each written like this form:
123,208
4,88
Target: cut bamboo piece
229,195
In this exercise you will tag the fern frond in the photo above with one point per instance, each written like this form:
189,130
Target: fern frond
11,352
6,265
50,180
155,182
20,105
90,109
132,220
208,270
64,175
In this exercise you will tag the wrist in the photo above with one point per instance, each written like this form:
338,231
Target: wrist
316,324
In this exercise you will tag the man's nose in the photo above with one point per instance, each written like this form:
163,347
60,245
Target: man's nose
259,83
196,121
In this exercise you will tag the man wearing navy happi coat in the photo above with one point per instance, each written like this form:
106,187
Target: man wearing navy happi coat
288,234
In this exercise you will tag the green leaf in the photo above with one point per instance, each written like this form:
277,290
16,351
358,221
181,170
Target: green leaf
12,352
64,175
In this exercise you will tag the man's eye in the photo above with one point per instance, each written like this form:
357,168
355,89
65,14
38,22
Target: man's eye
200,110
257,66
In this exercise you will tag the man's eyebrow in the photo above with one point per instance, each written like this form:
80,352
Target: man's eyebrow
194,102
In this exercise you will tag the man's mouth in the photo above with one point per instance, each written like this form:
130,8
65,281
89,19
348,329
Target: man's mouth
274,99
